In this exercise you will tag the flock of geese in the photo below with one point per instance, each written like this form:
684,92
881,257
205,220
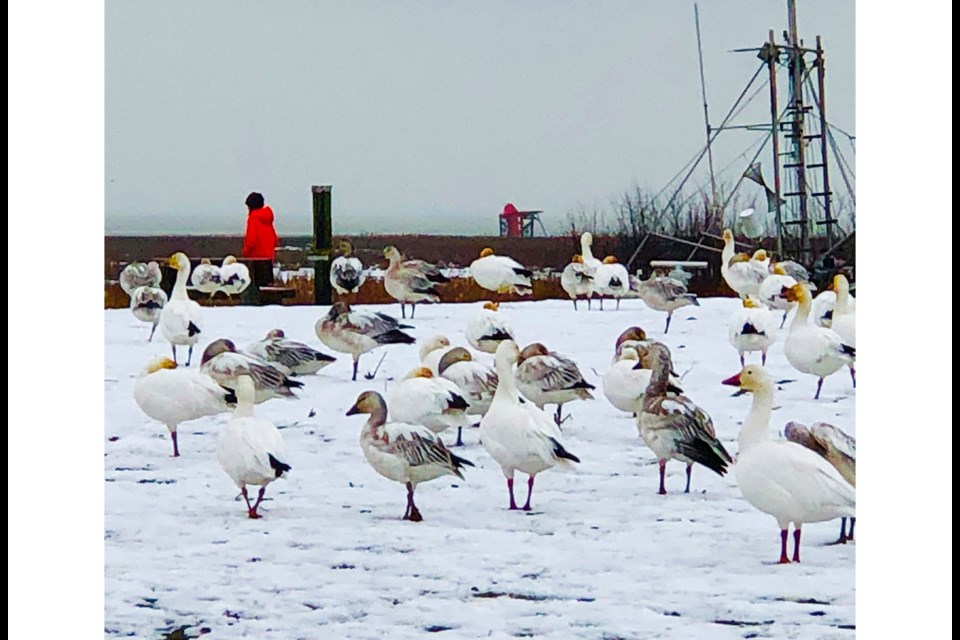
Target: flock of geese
807,477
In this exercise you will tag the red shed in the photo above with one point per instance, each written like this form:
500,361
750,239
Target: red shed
519,224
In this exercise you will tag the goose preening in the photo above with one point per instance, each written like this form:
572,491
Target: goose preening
577,280
180,319
290,356
760,260
234,276
780,477
624,384
432,350
477,380
518,435
547,377
222,362
752,328
435,403
811,349
250,449
172,395
772,288
346,271
411,281
147,304
357,331
488,329
739,272
206,277
673,427
663,293
611,279
405,453
837,448
631,337
140,274
501,274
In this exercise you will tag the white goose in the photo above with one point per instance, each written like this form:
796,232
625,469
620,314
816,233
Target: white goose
742,275
147,304
501,274
547,377
674,427
752,328
411,281
405,453
780,477
180,320
811,349
206,277
289,356
663,293
518,435
586,250
357,331
432,350
823,306
611,279
346,271
140,274
634,337
249,449
436,403
234,276
760,260
577,280
222,362
489,328
172,395
837,448
844,320
477,380
624,384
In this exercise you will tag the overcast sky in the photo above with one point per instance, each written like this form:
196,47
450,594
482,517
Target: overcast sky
426,117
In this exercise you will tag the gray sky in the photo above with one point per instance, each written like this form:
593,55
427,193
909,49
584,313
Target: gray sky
426,117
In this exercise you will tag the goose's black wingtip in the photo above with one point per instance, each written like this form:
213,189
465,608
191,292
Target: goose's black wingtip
279,468
560,452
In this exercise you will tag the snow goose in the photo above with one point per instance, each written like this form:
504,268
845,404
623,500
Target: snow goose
673,427
405,453
811,349
180,319
222,362
837,448
586,251
147,303
518,435
234,276
739,272
772,288
501,274
623,384
844,320
411,281
488,329
346,271
663,293
432,350
577,280
173,395
611,279
752,329
780,477
477,380
760,260
140,274
436,403
547,377
289,356
823,307
357,331
631,336
206,277
250,449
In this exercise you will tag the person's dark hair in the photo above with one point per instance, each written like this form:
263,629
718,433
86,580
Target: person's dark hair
255,201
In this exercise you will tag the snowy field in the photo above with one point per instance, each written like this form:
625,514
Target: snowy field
602,556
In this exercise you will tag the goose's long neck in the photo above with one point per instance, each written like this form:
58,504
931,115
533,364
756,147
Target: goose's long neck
244,408
180,286
842,305
506,383
378,418
727,253
803,313
755,428
586,252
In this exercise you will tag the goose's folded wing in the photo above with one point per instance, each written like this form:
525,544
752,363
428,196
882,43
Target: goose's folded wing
550,373
290,353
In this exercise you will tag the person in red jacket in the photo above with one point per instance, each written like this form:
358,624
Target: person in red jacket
260,241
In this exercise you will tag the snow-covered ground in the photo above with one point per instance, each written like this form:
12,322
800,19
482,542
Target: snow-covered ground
602,556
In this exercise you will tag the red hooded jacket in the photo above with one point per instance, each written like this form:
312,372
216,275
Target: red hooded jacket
260,240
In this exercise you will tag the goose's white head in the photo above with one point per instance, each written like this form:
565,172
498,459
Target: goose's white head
586,240
434,343
507,352
752,378
229,260
760,255
418,372
727,236
179,261
629,353
158,364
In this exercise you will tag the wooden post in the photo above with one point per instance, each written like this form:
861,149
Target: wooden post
773,55
822,104
322,248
